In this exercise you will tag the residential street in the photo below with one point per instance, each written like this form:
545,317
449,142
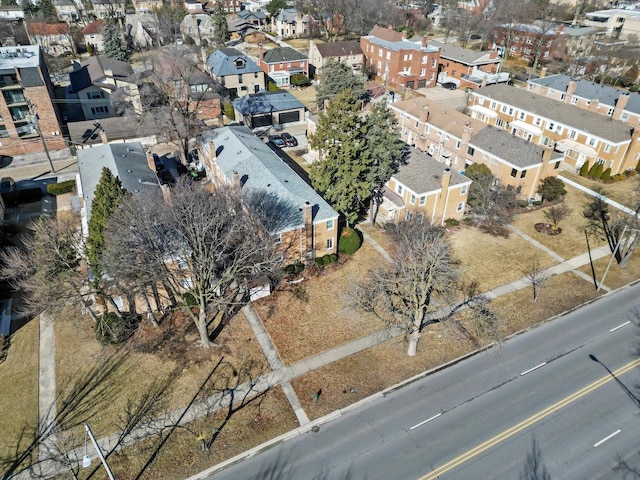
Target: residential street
478,419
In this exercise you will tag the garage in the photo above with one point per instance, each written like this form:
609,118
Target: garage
290,117
261,121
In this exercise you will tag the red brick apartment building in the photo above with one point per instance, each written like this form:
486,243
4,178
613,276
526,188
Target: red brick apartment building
399,61
520,40
24,78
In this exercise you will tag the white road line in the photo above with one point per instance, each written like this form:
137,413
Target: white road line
426,421
607,438
534,368
620,326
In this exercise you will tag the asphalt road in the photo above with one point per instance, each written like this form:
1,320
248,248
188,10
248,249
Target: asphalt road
478,419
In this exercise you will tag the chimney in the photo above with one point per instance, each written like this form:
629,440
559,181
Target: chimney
307,216
446,180
235,180
466,133
261,51
103,137
424,114
404,35
424,42
571,89
594,105
621,104
484,81
543,72
150,163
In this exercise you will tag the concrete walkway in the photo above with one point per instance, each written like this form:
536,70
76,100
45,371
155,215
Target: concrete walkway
46,381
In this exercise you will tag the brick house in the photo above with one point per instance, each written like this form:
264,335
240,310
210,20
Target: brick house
54,38
300,221
92,34
282,63
398,61
468,68
457,141
581,135
24,78
424,190
347,52
519,41
596,97
236,72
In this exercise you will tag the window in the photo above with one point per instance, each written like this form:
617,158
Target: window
330,224
177,82
423,200
413,199
409,216
3,132
574,100
521,115
277,238
460,206
493,105
423,72
624,117
592,142
537,121
388,55
471,151
399,190
417,123
458,144
556,166
94,95
607,148
463,190
499,122
420,218
424,59
405,58
329,243
572,134
551,126
523,174
514,172
239,78
95,110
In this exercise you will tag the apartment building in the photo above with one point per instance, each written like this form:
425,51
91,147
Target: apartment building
457,141
521,40
581,135
300,221
424,190
603,99
399,61
24,80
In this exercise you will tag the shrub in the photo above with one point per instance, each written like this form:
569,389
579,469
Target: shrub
630,173
319,262
111,329
606,175
272,87
326,260
60,188
551,189
599,171
537,203
634,88
451,222
300,80
592,170
523,203
333,257
229,111
349,241
584,170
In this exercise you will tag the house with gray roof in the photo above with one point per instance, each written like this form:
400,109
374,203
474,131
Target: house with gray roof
96,79
301,221
290,23
257,19
347,52
127,161
198,27
581,135
595,97
424,190
268,108
236,72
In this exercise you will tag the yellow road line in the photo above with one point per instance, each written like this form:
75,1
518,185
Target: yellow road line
528,422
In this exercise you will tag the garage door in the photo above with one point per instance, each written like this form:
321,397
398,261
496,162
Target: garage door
260,121
290,117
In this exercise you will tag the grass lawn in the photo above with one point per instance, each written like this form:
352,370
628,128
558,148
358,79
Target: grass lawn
150,354
571,241
622,192
616,276
377,233
306,96
19,378
301,44
314,316
494,261
246,429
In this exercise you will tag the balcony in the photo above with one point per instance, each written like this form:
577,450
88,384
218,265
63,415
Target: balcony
14,97
9,81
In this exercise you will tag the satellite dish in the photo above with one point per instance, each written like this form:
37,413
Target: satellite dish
86,461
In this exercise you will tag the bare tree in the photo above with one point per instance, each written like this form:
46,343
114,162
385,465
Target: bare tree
205,248
544,37
421,287
536,276
556,214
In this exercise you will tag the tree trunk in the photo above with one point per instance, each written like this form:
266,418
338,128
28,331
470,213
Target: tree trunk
414,336
111,302
89,310
150,314
172,297
201,323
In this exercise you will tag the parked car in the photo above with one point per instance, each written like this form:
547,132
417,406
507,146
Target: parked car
277,141
289,140
449,85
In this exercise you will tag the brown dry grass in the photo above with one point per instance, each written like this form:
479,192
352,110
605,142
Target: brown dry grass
301,44
558,294
571,241
622,192
616,276
315,316
19,380
374,369
152,353
306,96
493,261
378,234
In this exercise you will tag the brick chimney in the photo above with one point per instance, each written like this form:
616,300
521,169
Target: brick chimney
594,105
424,114
441,204
466,133
424,42
446,180
571,89
103,137
261,49
307,216
150,163
543,72
621,104
235,180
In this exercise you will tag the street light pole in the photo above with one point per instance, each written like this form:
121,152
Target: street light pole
35,121
100,454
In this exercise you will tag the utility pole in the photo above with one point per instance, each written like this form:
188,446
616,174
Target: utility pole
99,451
36,124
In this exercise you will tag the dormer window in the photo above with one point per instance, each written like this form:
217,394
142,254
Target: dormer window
239,63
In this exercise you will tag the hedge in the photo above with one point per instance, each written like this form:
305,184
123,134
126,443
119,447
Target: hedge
349,241
60,188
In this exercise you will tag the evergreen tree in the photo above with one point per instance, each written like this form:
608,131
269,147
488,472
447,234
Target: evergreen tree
274,7
9,3
593,170
29,8
551,189
336,77
47,10
584,170
220,26
107,195
114,45
606,175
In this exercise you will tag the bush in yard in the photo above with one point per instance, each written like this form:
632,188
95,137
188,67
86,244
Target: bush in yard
60,188
229,112
584,170
606,175
451,222
592,170
112,329
300,80
333,257
630,173
551,189
349,241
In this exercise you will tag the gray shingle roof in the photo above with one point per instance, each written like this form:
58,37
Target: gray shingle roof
127,161
514,150
261,170
288,15
94,68
402,45
265,102
463,55
283,54
225,61
339,49
589,90
423,174
566,114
